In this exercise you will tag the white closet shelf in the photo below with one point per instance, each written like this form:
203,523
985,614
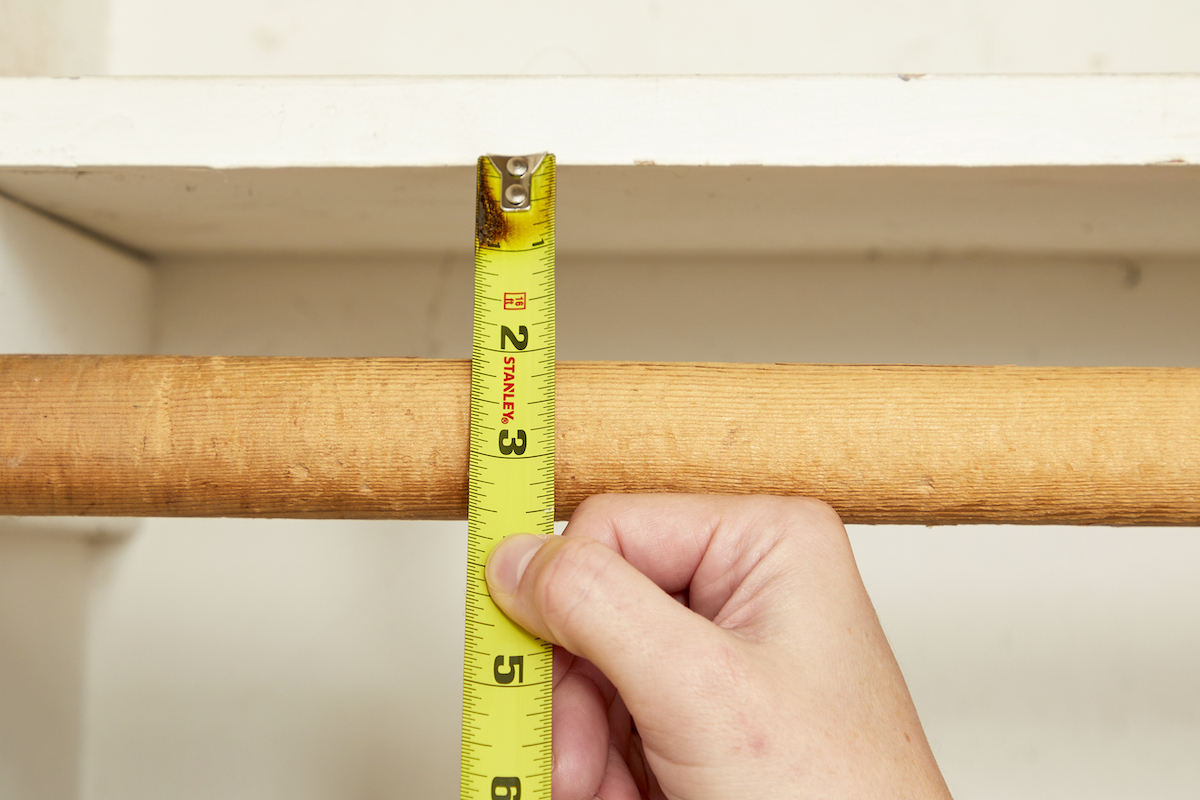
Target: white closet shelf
1072,164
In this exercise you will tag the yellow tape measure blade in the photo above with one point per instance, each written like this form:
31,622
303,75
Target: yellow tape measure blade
507,673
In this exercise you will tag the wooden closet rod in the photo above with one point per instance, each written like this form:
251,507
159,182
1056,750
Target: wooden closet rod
387,438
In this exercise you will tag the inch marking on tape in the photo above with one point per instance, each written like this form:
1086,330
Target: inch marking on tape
507,673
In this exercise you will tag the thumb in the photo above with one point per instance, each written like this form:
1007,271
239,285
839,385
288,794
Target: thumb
578,593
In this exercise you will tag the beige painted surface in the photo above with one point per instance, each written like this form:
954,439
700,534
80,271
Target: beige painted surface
314,37
54,37
1047,662
60,291
269,657
768,120
43,627
1119,211
650,36
802,308
63,292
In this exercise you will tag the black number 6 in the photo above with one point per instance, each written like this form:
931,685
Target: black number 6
506,789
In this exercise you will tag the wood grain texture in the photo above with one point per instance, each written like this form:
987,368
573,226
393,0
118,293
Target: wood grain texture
387,438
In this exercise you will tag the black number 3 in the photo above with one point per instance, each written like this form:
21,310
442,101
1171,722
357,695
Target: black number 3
513,447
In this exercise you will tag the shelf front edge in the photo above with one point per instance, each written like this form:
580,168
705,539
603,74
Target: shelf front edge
785,120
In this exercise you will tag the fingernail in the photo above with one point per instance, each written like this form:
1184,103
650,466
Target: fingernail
509,559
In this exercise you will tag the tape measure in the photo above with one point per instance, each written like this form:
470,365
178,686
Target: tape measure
507,673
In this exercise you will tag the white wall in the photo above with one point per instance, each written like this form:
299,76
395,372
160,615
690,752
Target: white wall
43,610
650,36
196,658
1047,662
277,659
60,292
270,37
53,37
260,656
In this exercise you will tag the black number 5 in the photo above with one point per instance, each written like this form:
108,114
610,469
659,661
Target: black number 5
516,667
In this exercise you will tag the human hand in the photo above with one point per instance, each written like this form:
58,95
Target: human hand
713,647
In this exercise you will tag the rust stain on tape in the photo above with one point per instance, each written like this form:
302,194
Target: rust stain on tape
491,226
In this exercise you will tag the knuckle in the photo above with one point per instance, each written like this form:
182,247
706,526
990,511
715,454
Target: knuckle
821,513
594,509
808,526
588,508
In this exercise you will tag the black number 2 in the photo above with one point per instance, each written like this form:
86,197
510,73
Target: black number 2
506,333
